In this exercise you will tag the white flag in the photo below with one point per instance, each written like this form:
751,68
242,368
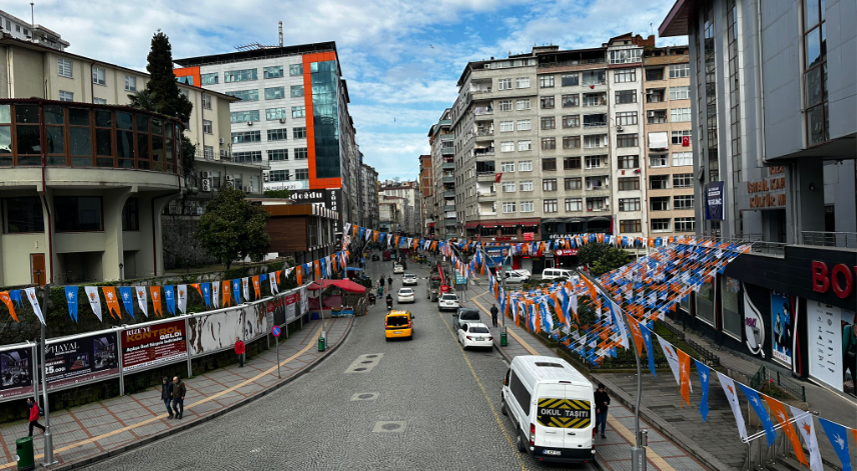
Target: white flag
245,283
182,298
623,333
141,299
94,300
272,277
215,294
34,301
806,428
672,357
732,395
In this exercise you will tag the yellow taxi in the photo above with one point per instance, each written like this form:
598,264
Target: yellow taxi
399,324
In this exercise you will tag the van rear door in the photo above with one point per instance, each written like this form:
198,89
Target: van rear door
581,412
565,416
550,417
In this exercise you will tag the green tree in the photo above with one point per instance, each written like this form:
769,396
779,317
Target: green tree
232,228
143,100
285,194
162,81
611,259
591,252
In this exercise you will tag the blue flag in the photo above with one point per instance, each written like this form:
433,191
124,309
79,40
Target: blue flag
263,277
170,296
71,299
756,404
206,293
704,376
16,296
236,291
838,436
127,295
647,338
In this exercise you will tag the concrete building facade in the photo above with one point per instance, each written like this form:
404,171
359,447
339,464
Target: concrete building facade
428,206
368,196
16,28
443,201
410,201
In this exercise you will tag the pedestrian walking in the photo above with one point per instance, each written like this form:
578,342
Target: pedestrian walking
494,312
602,403
33,406
239,351
179,391
167,394
382,281
390,283
371,299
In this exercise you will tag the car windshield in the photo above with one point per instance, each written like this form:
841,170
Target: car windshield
478,330
468,315
409,275
397,320
450,297
406,291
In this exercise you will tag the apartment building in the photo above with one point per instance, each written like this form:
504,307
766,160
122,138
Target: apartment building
441,140
427,195
279,89
16,28
368,196
410,200
666,82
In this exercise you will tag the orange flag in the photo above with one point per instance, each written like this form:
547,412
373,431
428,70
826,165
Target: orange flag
198,289
299,275
684,375
317,267
112,301
256,288
155,291
227,296
783,418
4,296
638,336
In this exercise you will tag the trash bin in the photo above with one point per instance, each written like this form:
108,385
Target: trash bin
24,451
321,343
503,340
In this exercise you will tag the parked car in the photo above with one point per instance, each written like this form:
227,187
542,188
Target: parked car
448,301
406,295
464,316
375,257
475,334
517,276
399,324
409,279
387,255
398,269
554,273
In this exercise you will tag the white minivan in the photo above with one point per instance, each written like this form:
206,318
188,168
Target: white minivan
554,273
552,407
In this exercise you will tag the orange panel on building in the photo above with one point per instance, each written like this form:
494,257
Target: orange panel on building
190,72
314,182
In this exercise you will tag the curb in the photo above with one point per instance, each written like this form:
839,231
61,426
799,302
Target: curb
683,441
182,428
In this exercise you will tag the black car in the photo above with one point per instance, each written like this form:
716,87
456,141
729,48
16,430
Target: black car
375,258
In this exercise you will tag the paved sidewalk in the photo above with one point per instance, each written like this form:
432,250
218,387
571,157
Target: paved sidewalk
94,431
614,452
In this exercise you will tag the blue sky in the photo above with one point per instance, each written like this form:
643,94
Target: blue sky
401,58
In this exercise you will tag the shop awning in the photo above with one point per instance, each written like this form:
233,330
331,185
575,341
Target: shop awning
658,141
471,224
552,220
599,218
345,285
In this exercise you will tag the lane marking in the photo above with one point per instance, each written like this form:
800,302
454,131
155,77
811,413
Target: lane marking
159,417
485,394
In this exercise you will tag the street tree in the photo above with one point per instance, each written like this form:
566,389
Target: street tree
232,228
284,193
611,259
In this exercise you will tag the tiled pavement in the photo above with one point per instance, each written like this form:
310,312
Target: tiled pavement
614,452
92,431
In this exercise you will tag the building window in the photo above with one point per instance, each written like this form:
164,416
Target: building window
624,75
656,116
296,69
97,101
187,80
525,145
546,81
522,105
571,142
509,187
507,126
507,167
549,184
815,71
239,75
596,183
302,174
550,206
594,77
504,84
547,102
594,141
64,67
595,204
207,127
278,176
680,93
508,146
629,183
548,122
593,161
679,71
527,207
272,114
509,207
78,213
505,105
549,164
275,71
676,137
99,76
660,225
573,183
685,224
658,160
573,204
208,152
653,74
298,111
244,116
206,101
278,154
208,79
680,115
682,180
246,137
626,96
571,121
571,100
548,143
682,158
522,82
570,80
301,153
275,93
628,162
245,95
69,96
629,204
627,140
130,83
23,214
683,202
659,182
297,91
628,226
299,133
626,118
524,125
278,134
525,166
526,186
660,203
131,215
247,157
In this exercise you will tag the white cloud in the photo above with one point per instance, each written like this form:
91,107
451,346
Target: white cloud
394,155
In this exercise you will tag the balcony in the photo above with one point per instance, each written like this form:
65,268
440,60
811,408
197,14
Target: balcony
483,151
448,166
449,194
449,207
447,180
598,99
655,95
483,110
447,151
482,132
830,239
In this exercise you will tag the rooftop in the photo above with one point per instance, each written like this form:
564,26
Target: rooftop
261,53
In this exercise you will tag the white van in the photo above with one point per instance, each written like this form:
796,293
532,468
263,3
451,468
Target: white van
552,407
554,273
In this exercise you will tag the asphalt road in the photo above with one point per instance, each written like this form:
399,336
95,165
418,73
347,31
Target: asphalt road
426,404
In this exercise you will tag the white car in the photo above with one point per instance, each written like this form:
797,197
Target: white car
448,302
406,295
475,335
517,276
409,279
398,269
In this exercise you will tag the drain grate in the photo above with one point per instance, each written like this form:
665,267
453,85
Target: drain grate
367,362
364,363
387,426
367,396
359,369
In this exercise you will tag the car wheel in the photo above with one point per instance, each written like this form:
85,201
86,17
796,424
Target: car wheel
411,337
387,338
519,443
503,409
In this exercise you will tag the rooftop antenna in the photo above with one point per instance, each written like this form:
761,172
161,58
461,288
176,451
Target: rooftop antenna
280,28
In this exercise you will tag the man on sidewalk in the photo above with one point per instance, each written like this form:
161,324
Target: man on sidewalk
602,403
167,395
239,351
179,391
33,406
494,312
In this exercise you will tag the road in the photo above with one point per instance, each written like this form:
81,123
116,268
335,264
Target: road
421,404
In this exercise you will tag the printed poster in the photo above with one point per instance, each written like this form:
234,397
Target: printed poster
214,332
825,343
147,346
16,372
81,360
781,328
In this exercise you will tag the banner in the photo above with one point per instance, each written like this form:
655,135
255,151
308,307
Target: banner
144,347
71,300
714,201
245,284
127,295
255,323
16,372
80,360
215,294
825,343
113,303
182,298
142,299
214,332
781,328
94,300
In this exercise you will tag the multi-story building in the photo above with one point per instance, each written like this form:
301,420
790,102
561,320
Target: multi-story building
83,200
428,203
773,95
292,115
390,214
442,142
368,196
14,27
410,206
669,167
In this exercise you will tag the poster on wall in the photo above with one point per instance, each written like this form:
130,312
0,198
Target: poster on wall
754,326
256,324
16,372
303,298
849,351
825,343
291,302
214,332
782,322
148,346
714,201
81,360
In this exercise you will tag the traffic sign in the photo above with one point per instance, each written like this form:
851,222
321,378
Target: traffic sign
275,331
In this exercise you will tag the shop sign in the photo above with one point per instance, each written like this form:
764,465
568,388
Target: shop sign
565,252
528,236
769,192
839,278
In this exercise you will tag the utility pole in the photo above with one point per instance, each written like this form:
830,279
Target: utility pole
49,442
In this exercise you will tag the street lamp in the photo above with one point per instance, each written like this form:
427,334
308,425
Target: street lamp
39,277
121,266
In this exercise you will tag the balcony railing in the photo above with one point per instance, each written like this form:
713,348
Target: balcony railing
595,102
485,132
483,151
449,194
447,151
573,62
448,166
447,179
479,111
225,156
449,207
830,239
594,125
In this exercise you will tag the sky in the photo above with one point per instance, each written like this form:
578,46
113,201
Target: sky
401,58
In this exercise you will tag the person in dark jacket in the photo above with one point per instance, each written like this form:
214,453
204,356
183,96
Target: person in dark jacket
239,351
602,403
33,406
382,281
167,394
179,391
390,283
494,312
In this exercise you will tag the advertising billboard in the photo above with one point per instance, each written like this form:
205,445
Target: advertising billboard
16,372
781,328
148,346
496,254
80,360
214,332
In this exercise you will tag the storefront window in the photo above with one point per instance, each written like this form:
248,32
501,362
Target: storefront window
705,303
731,296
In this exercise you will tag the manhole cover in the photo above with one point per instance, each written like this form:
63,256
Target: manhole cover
366,362
366,396
359,369
391,426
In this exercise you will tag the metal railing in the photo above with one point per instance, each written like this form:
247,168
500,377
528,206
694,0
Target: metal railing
772,380
829,239
710,358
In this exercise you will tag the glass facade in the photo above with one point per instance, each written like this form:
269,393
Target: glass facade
325,117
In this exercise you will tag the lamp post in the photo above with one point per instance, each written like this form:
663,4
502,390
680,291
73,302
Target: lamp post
121,274
39,277
49,442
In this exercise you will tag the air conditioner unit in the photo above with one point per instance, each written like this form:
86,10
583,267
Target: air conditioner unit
265,176
248,188
204,175
230,184
206,184
619,128
607,203
249,123
199,210
282,120
229,178
221,140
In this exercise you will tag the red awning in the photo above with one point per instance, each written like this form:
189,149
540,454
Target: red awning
346,285
517,223
472,224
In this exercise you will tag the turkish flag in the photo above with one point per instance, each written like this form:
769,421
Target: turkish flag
498,177
685,141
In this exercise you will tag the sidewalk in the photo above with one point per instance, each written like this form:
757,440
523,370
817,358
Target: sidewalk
95,431
614,452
